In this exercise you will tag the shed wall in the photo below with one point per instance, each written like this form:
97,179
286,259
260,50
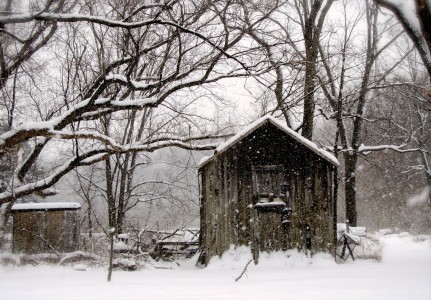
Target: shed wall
42,231
228,212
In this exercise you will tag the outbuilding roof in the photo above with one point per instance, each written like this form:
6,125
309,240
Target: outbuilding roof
46,206
257,124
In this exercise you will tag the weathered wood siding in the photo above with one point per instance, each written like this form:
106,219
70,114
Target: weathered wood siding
228,215
26,227
40,231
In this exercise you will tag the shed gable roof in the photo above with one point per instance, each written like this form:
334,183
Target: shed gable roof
257,124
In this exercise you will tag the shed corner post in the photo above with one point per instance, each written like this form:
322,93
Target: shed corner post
254,243
254,228
203,256
335,201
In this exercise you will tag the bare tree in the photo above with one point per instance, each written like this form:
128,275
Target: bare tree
415,16
170,48
282,83
289,41
348,95
18,46
387,180
312,16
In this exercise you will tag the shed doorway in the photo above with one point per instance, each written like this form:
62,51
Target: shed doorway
270,208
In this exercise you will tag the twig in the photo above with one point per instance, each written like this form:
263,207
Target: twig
243,271
44,240
170,235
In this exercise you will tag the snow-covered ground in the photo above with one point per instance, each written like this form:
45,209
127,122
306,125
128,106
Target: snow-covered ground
403,273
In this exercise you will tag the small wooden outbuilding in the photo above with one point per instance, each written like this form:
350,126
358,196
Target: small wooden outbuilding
270,188
45,227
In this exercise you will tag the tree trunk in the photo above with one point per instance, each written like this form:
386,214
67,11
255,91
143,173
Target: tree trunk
90,222
311,52
122,195
111,252
427,170
309,105
110,195
314,16
350,160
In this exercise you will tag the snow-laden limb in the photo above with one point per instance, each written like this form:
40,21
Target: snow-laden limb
90,109
29,188
123,79
152,182
176,56
397,148
414,15
367,149
152,198
189,139
93,156
18,18
71,18
83,110
91,134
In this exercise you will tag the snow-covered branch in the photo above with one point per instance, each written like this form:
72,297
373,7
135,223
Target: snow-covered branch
414,15
397,148
92,157
106,82
367,149
71,18
83,110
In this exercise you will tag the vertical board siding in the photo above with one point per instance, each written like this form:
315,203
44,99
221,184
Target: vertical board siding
26,228
42,231
233,193
230,196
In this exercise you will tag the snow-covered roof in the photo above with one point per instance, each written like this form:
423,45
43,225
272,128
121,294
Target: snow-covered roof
46,206
258,123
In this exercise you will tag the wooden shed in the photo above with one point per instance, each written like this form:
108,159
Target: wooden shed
270,188
45,227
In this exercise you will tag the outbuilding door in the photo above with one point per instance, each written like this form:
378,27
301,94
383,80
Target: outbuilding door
270,189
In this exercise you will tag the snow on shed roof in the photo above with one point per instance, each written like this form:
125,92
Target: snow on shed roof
46,206
258,123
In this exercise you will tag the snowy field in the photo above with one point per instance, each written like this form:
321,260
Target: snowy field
403,273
